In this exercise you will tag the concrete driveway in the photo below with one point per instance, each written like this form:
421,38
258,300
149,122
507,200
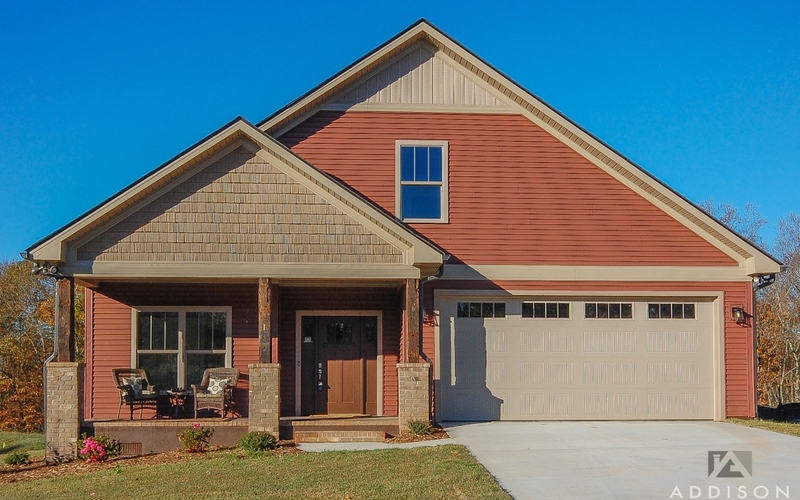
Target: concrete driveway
633,460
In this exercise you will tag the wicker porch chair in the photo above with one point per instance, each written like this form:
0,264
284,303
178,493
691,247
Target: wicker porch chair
135,389
215,392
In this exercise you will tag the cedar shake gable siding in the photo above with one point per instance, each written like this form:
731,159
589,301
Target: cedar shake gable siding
517,194
242,209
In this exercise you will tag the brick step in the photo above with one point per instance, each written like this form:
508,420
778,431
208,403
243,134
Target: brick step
383,425
338,436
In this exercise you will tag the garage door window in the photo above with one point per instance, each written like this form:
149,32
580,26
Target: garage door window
481,309
608,310
554,310
670,311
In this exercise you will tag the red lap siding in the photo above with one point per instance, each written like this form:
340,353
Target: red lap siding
109,335
510,182
109,342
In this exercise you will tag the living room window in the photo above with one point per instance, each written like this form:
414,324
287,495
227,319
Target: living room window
421,184
175,345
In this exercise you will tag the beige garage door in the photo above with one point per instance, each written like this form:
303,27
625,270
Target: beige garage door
592,359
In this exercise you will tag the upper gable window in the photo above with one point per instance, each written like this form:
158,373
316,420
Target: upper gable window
422,181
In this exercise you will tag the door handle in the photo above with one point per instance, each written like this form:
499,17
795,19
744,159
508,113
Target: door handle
320,385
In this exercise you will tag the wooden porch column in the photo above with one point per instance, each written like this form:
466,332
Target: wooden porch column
65,320
275,319
412,321
268,308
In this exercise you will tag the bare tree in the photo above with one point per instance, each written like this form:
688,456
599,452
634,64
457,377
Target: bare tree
748,222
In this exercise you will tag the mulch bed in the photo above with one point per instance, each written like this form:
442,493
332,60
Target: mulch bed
436,433
40,470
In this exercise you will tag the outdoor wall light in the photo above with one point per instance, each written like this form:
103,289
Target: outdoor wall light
739,316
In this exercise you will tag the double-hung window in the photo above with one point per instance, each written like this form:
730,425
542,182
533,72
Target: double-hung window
175,344
422,181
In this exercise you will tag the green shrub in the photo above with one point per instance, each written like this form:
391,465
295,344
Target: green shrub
257,441
17,458
419,427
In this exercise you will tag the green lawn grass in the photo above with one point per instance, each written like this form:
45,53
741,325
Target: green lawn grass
791,428
10,442
447,472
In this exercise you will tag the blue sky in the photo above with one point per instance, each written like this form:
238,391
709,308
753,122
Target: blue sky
704,95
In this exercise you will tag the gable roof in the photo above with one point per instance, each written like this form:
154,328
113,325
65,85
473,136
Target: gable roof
337,93
75,246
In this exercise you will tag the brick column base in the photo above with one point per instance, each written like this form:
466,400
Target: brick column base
265,397
64,409
414,398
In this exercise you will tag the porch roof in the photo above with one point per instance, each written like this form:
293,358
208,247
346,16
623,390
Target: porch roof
237,205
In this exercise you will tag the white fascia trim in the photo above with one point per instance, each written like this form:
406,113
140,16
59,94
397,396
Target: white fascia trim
574,137
630,175
460,272
191,270
420,108
71,249
332,85
55,250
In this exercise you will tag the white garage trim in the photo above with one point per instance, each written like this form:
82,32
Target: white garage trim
497,272
715,299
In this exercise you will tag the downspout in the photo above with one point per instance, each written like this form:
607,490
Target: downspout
51,272
422,283
48,360
759,283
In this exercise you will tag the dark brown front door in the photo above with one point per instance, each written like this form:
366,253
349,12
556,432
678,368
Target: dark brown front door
339,364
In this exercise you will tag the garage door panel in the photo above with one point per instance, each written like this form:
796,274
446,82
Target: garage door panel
583,369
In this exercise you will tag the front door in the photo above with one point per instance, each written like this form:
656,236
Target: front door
339,365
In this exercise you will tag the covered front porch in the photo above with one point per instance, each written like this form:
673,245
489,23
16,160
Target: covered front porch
233,254
321,360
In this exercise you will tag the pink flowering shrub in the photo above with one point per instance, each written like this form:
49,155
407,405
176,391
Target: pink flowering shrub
195,439
98,448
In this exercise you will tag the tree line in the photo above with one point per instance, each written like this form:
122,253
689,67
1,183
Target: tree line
777,306
27,318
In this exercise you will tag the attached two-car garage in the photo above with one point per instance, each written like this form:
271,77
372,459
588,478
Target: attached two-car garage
567,358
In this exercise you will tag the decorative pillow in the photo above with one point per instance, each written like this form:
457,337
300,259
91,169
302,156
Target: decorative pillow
136,384
217,385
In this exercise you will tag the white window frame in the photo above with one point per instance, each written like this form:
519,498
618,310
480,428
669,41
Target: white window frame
181,351
444,183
